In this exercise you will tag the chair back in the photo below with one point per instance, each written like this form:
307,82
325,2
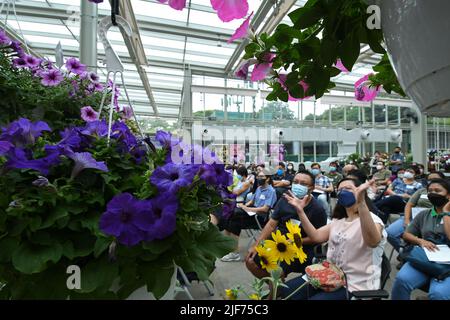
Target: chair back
385,271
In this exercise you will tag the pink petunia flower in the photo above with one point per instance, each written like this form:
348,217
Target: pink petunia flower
242,70
242,31
339,65
127,112
263,68
51,78
88,114
362,90
228,10
282,80
175,4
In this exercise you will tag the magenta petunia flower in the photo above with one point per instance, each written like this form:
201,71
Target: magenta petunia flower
127,112
228,10
175,4
20,63
51,78
363,92
282,80
263,68
75,66
95,87
4,39
88,114
242,31
340,66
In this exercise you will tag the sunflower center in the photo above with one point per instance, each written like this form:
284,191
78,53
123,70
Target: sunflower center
281,247
297,240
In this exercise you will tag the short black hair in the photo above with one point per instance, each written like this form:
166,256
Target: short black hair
358,174
309,174
440,174
315,164
442,182
242,171
281,164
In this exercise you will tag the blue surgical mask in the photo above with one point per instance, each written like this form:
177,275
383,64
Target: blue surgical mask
279,172
346,198
239,177
333,169
299,190
315,172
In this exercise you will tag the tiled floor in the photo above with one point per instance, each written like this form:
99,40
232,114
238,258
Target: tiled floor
231,274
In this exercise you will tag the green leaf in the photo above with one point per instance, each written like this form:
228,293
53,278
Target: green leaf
7,247
159,246
306,17
55,214
349,51
328,51
31,258
98,274
157,276
101,244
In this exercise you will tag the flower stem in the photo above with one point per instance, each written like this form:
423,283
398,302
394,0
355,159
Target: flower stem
296,290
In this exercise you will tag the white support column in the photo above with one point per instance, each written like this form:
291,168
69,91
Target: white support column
419,137
296,149
88,34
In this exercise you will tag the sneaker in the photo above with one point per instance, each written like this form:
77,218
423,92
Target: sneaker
232,256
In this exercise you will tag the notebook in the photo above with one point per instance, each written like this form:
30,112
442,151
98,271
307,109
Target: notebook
441,256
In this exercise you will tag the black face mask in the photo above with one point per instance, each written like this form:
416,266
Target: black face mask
261,181
437,200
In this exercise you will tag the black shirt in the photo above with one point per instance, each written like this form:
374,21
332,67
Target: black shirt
285,176
283,212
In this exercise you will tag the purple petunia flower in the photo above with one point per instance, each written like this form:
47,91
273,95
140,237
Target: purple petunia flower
18,159
20,63
4,39
85,160
5,146
98,128
51,78
123,134
23,131
93,77
17,48
88,114
127,218
127,112
95,87
164,138
75,66
164,208
171,177
71,142
32,61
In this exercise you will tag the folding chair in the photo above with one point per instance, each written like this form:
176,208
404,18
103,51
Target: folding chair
184,281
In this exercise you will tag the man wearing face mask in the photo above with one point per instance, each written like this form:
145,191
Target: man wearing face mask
382,177
333,175
398,194
323,187
281,180
397,160
302,186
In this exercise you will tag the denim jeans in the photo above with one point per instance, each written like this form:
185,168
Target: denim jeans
323,199
395,232
310,293
409,278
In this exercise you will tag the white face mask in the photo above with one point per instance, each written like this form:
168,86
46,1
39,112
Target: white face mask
379,167
408,175
401,175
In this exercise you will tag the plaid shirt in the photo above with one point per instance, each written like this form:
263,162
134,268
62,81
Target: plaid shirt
323,181
399,187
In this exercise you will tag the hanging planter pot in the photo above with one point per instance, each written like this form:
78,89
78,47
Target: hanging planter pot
416,35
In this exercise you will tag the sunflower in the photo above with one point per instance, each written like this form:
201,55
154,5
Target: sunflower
267,260
296,237
254,296
231,294
280,248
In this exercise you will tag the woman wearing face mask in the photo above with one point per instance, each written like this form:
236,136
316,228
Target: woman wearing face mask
355,237
398,194
290,169
428,228
244,184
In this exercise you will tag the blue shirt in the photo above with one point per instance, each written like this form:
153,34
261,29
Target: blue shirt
265,197
323,181
396,157
401,188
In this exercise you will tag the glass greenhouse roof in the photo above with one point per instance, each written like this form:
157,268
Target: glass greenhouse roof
193,38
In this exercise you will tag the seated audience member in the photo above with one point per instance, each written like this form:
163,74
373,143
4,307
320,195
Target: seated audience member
301,167
323,187
356,239
333,175
398,194
382,177
244,184
420,176
429,227
418,199
347,168
262,201
281,180
290,169
302,187
398,178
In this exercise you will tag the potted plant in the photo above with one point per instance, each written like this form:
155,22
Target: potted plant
325,40
121,215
